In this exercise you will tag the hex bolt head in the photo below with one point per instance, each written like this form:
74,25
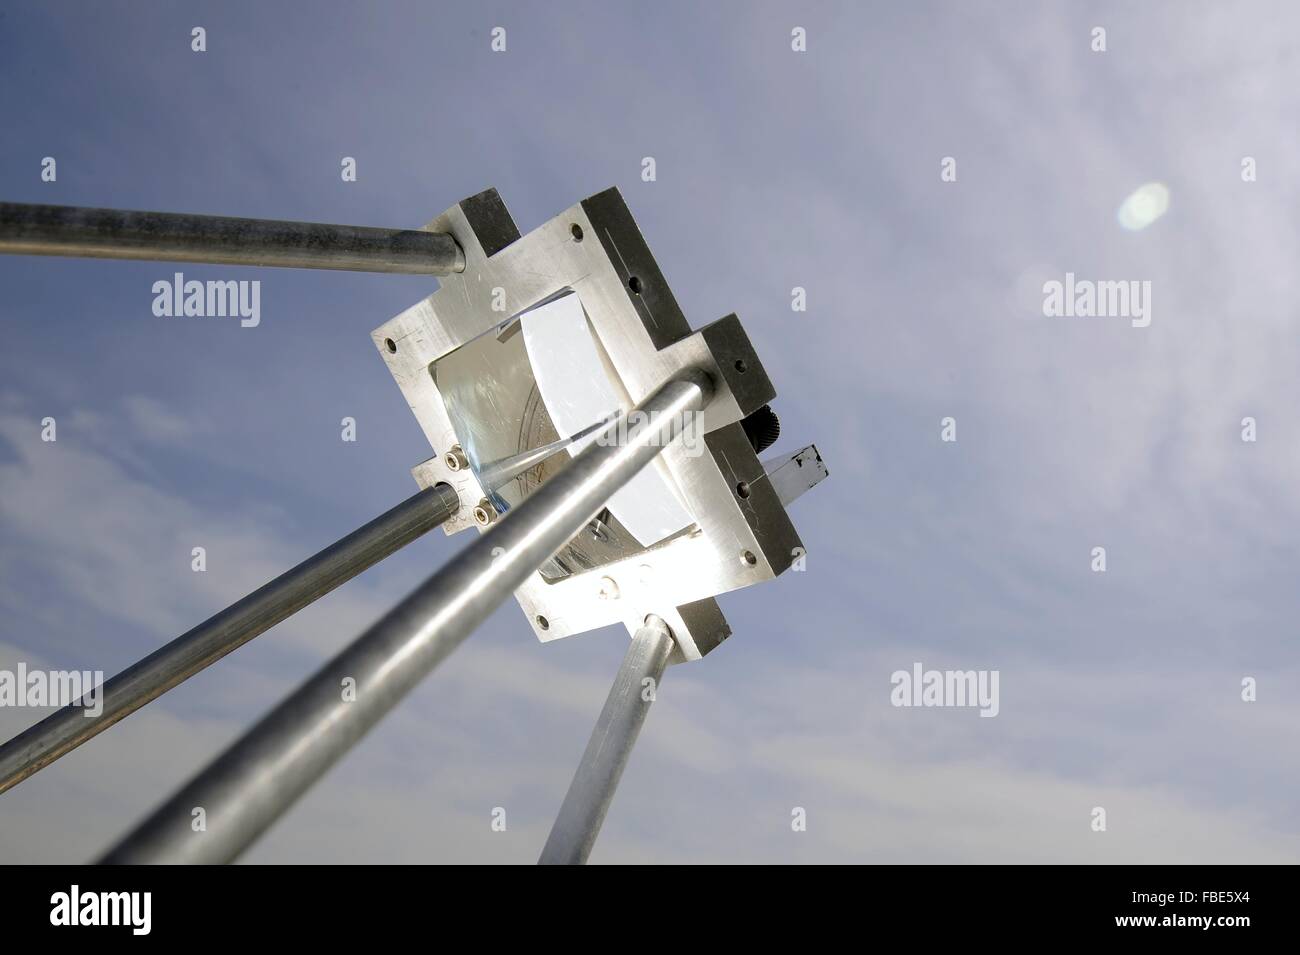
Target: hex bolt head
455,459
484,513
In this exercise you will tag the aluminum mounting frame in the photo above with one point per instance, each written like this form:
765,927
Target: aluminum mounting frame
743,534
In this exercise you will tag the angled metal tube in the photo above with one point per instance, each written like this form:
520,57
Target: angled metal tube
610,746
224,240
123,694
258,778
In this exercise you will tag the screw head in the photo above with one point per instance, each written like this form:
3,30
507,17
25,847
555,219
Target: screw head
455,459
484,513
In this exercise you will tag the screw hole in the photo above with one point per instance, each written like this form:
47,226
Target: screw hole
390,345
741,365
575,230
634,284
742,489
543,622
748,557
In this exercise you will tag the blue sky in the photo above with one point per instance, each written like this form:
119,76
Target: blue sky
775,169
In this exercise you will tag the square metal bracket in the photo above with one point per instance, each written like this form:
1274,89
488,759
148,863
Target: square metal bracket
741,534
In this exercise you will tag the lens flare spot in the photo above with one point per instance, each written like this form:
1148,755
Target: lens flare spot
1147,204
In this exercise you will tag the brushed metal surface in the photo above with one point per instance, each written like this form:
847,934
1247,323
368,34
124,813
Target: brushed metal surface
595,249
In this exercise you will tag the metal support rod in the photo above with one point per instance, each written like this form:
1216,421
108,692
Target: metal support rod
123,694
610,746
225,240
258,778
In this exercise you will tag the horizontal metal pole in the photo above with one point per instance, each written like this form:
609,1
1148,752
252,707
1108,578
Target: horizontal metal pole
610,746
223,240
253,782
123,694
